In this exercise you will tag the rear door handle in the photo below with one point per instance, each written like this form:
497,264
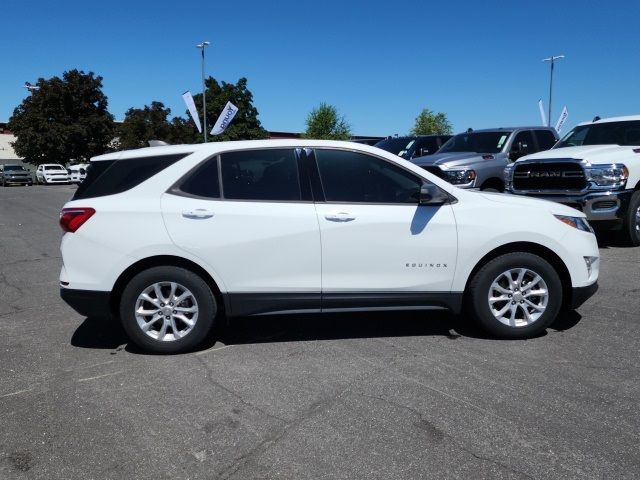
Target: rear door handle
340,217
197,213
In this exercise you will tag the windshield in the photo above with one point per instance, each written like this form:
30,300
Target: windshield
394,145
479,142
54,167
609,133
14,168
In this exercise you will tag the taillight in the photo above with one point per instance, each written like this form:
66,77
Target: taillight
71,219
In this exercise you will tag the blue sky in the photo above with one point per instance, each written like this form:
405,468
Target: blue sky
378,62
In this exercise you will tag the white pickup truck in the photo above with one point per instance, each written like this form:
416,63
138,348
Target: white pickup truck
594,168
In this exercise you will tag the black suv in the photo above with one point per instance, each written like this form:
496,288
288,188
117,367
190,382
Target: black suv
410,147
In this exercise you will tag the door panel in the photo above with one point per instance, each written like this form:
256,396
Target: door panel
387,248
253,246
375,236
252,227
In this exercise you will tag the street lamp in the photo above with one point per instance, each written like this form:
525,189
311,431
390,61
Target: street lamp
202,46
551,60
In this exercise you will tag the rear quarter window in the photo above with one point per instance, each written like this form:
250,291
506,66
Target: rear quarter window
116,176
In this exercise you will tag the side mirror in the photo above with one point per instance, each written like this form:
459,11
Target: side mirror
430,194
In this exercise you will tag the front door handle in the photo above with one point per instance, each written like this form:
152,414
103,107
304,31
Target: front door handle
197,213
340,217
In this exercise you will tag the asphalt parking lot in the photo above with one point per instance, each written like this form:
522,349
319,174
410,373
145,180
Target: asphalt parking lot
389,395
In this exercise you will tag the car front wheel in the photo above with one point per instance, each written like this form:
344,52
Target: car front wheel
167,309
632,222
516,295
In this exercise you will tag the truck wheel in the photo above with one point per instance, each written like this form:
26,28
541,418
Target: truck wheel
632,220
167,309
516,295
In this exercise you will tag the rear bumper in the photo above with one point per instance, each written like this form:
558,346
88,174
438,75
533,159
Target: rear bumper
89,303
579,295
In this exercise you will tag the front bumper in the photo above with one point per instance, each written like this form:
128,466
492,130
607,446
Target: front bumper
89,303
57,179
579,295
18,180
597,206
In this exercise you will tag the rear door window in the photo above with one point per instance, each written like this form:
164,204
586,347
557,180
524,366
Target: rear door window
269,174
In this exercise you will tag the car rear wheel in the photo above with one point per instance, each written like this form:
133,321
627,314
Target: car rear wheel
516,295
167,309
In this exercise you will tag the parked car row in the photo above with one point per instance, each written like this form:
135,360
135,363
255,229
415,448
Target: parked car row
45,174
595,168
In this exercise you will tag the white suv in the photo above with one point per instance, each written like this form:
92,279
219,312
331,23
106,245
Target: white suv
171,239
52,173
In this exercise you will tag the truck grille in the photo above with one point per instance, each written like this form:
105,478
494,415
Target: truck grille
549,176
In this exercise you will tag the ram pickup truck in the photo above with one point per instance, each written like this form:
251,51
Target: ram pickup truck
594,168
477,158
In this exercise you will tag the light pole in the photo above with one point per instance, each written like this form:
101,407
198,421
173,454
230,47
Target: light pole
551,60
202,46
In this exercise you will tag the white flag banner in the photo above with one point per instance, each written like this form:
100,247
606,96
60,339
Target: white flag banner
228,112
542,115
188,100
562,119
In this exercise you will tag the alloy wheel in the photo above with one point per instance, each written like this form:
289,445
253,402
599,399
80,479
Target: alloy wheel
518,297
166,311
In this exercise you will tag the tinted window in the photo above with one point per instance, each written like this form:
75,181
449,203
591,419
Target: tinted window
53,167
394,145
479,142
425,146
117,176
608,133
14,168
261,175
546,139
523,143
353,177
203,181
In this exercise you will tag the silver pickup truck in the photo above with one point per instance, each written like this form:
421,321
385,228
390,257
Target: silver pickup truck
477,158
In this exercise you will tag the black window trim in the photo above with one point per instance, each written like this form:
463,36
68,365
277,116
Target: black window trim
307,171
175,188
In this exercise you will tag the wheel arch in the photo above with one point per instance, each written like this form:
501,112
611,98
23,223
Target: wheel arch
493,182
529,247
162,261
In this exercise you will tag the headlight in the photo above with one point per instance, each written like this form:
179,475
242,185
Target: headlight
608,175
507,175
575,222
460,177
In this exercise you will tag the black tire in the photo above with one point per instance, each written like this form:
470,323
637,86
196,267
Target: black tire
632,221
4,183
204,298
480,287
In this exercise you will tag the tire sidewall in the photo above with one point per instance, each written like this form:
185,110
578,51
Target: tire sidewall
632,233
207,309
483,279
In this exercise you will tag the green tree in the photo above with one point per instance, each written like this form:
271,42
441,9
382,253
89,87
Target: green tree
143,124
324,123
64,119
245,125
430,123
182,131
